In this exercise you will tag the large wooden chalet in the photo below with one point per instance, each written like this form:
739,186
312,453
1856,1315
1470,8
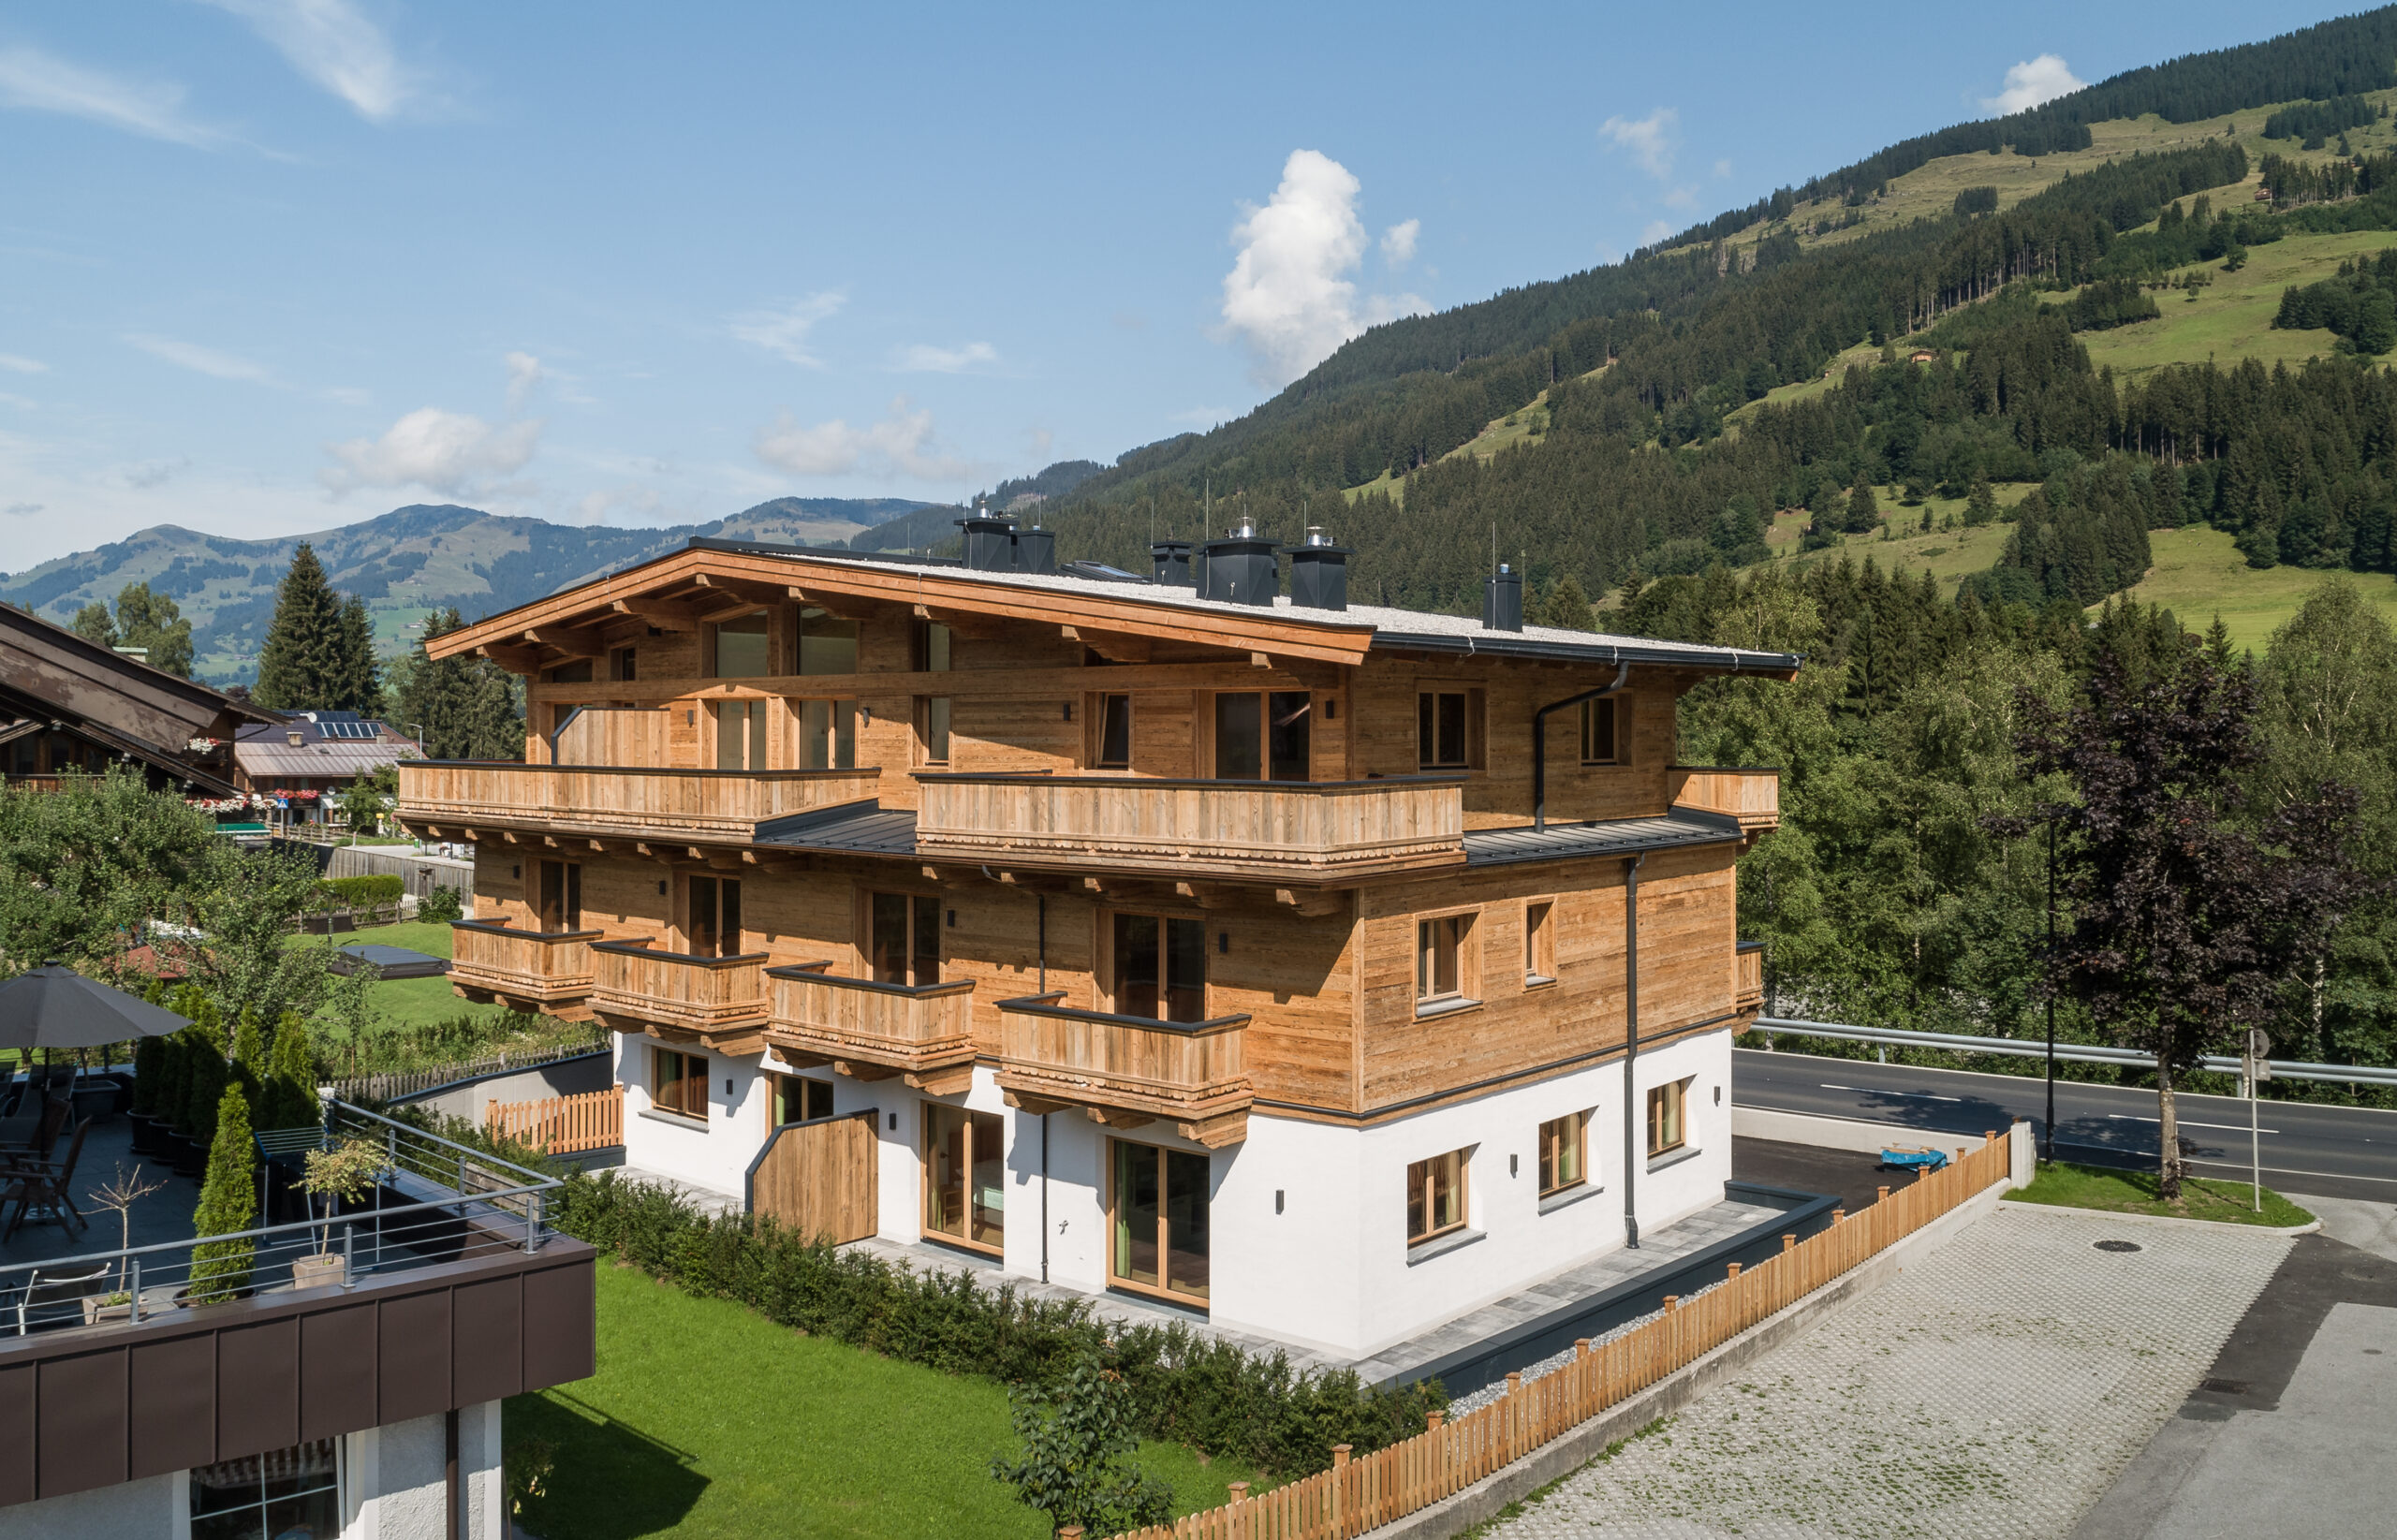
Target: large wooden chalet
1171,935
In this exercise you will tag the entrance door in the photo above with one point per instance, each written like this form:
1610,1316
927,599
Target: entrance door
818,1179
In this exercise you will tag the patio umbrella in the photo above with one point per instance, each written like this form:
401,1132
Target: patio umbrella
53,1006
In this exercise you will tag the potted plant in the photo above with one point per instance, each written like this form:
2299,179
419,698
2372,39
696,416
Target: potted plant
343,1174
119,1194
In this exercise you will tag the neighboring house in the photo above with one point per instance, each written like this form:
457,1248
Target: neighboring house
304,760
1252,954
70,704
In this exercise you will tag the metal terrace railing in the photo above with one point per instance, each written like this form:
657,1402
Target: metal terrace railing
433,1202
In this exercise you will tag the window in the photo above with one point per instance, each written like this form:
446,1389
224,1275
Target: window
965,1175
1563,1146
905,944
677,1082
1435,1197
1262,736
1448,729
932,641
827,643
294,1491
932,730
737,648
799,1099
1440,958
827,734
1539,943
714,926
1666,1128
1113,721
559,897
620,664
577,672
1157,1209
1600,731
740,735
1160,967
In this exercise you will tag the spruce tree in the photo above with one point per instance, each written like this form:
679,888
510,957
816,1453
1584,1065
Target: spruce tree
249,1066
229,1204
301,667
361,683
1566,607
466,706
1863,513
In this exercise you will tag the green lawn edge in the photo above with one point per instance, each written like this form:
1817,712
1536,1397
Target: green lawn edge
2064,1184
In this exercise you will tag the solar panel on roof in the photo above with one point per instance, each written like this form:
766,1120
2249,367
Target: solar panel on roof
353,729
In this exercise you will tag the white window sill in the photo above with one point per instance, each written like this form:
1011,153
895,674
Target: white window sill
1441,1245
1569,1197
675,1118
1674,1157
1428,1008
1536,981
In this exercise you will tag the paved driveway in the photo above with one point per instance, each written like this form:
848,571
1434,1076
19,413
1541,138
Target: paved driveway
1995,1388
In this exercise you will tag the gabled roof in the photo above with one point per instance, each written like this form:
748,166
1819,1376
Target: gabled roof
122,704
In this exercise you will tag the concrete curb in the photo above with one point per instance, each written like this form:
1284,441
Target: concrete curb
2168,1218
1562,1456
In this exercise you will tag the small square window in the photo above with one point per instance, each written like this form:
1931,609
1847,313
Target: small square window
1112,723
1435,1197
1441,958
677,1082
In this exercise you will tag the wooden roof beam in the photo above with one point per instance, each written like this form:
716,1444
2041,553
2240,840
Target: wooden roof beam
516,660
1114,646
839,606
971,624
661,613
575,641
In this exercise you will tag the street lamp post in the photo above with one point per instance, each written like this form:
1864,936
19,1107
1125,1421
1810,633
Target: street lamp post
2050,1141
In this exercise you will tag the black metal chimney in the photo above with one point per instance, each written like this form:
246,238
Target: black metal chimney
1502,601
1319,572
1242,567
1035,550
1169,564
990,541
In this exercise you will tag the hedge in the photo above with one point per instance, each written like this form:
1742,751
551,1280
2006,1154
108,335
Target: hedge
1187,1387
374,891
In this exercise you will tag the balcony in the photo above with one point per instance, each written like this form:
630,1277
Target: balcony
1752,797
719,1002
1309,831
1126,1070
924,1034
1747,976
542,972
448,798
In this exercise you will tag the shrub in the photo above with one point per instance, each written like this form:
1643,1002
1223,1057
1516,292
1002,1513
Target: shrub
442,906
368,892
229,1204
290,1100
1073,1435
149,1069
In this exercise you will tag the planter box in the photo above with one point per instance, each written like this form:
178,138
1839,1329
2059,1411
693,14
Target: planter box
317,1273
94,1312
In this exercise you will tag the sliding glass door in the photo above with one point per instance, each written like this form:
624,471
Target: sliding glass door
1159,1209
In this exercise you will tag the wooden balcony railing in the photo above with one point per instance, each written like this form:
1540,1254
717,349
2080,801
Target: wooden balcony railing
1747,976
446,795
544,972
1310,830
1750,796
1128,1070
719,1001
921,1032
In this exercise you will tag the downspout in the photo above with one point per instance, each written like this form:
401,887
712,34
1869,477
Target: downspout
1041,899
1539,739
1630,1049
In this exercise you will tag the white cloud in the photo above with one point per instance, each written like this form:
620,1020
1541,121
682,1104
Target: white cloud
1653,231
1681,198
335,46
902,444
18,364
1722,168
2031,82
924,358
35,82
1398,242
200,360
523,373
446,452
783,332
1649,140
1287,296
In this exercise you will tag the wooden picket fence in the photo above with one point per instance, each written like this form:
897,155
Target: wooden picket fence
1357,1495
562,1124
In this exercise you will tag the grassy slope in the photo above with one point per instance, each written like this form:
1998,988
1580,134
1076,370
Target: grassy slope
2199,575
2065,1185
711,1421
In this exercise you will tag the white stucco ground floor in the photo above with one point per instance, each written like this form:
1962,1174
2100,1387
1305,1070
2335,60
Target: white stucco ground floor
387,1483
1339,1237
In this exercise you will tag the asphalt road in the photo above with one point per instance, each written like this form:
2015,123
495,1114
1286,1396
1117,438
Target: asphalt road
2332,1152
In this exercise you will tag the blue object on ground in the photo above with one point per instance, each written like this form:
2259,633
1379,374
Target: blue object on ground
1930,1160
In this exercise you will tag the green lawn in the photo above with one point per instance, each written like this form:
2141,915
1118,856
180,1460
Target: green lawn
2199,574
2231,318
409,1002
2069,1186
708,1420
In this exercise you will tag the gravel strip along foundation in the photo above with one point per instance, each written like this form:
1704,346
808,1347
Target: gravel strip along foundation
1995,1390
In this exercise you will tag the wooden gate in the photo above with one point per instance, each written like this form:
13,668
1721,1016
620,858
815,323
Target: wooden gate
819,1178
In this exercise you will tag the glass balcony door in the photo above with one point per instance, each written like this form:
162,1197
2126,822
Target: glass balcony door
1159,1221
965,1175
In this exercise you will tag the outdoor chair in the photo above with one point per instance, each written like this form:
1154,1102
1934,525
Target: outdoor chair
54,1288
41,1185
33,1134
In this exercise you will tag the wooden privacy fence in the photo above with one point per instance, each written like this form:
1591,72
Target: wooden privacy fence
1357,1495
562,1124
819,1178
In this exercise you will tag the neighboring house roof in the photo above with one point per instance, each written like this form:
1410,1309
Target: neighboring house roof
261,760
50,675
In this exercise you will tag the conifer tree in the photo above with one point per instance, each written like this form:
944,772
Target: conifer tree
466,706
249,1066
1863,513
302,665
291,1080
361,681
229,1204
1566,607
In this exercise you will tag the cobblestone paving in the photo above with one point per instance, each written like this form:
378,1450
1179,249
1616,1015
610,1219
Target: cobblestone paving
1993,1390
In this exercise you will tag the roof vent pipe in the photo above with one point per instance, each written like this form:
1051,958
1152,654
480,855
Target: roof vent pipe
1035,550
1242,567
1169,564
1318,572
1502,601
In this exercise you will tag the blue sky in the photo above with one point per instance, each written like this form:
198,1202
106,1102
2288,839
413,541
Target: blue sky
269,266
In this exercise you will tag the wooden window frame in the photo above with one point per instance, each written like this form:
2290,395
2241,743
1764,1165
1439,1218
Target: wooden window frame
684,906
623,664
1610,709
835,708
865,928
933,1112
1556,1135
930,653
1430,1000
569,881
1164,918
1539,943
1476,726
778,1078
1421,1196
925,707
757,738
1094,707
1163,1288
1672,1096
695,1074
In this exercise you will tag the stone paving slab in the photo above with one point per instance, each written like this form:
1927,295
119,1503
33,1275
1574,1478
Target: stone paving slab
1993,1390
